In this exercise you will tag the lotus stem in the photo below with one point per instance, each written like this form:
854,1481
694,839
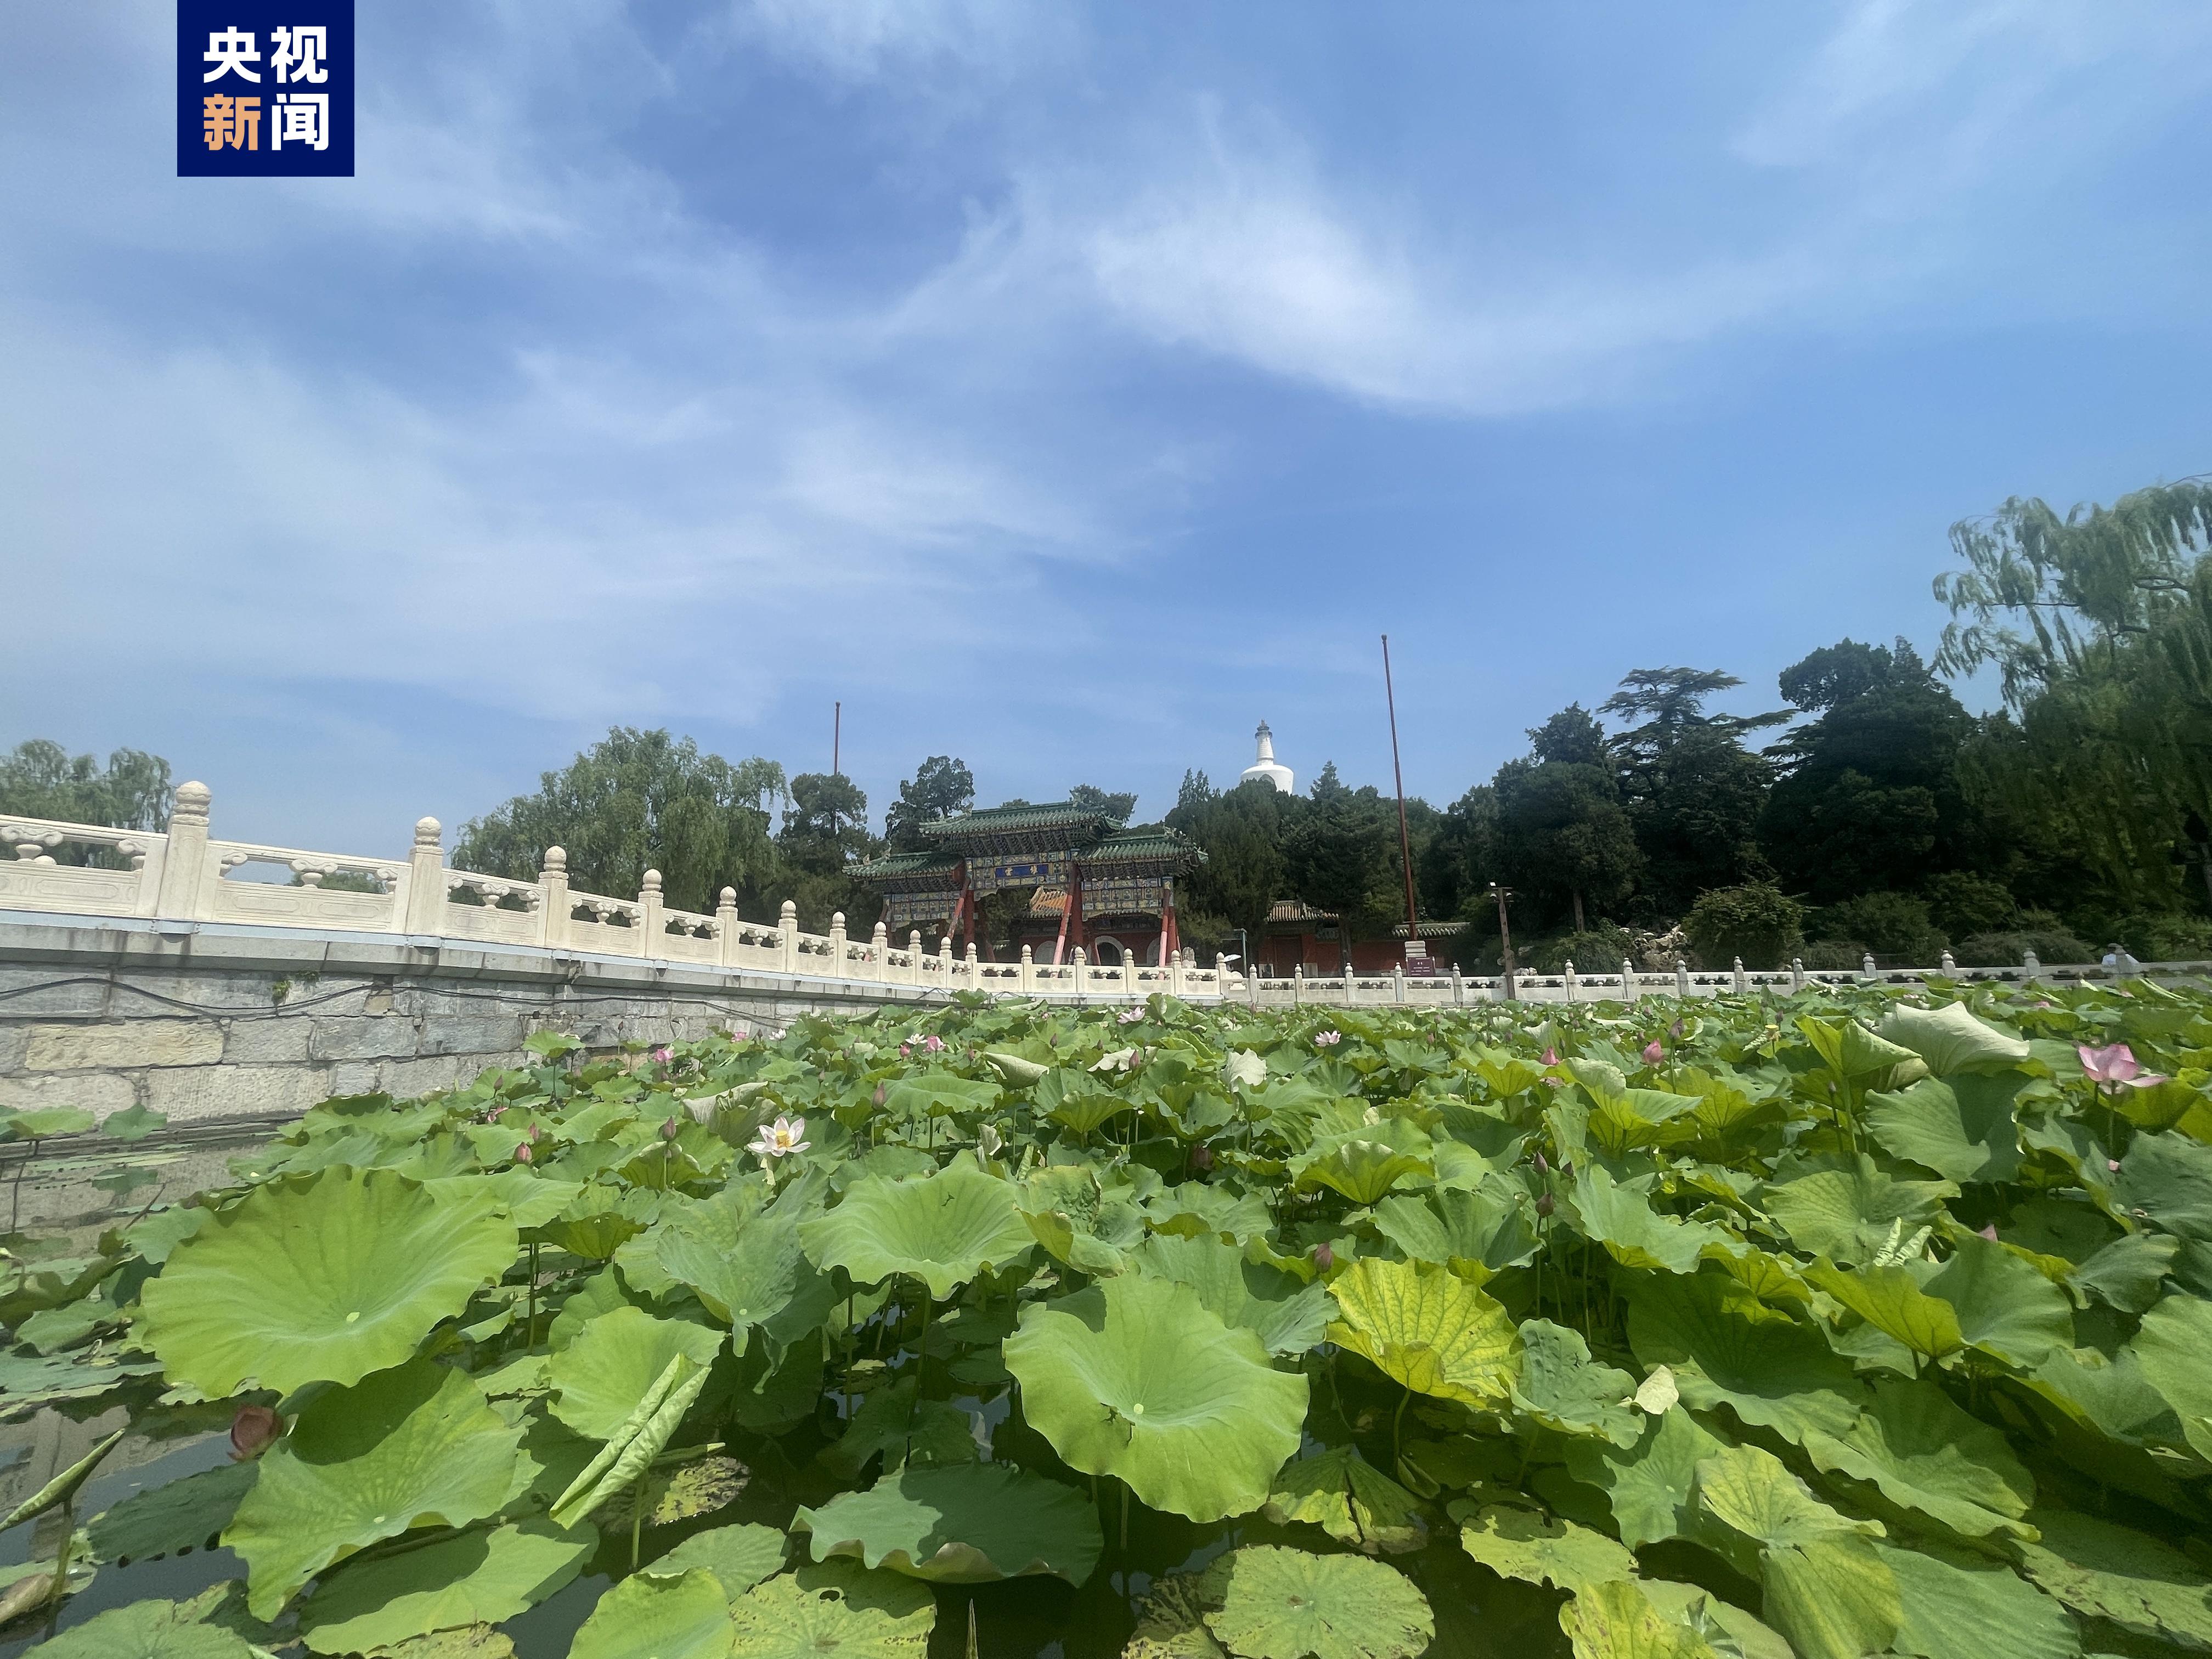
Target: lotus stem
1125,1515
16,1194
62,1555
1397,1433
530,1329
636,1520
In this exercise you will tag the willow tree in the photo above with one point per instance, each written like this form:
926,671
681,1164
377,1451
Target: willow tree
2099,626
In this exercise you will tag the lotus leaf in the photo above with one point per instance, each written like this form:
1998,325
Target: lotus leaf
634,1441
1959,1606
2174,1348
943,1229
739,1556
2167,1179
145,1630
183,1515
1833,1598
1286,1604
1752,1491
746,1267
1517,1543
1172,1623
1563,1389
1616,1620
649,1617
414,1446
2127,1273
2007,1308
603,1373
895,1424
965,1524
525,1199
1425,1326
478,1578
1848,1212
1726,1347
1891,1300
323,1279
1963,1129
1353,1503
1287,1316
1195,1209
683,1493
1690,1604
1136,1377
834,1606
1619,1216
1925,1453
1951,1040
2105,1571
1491,1226
1652,1485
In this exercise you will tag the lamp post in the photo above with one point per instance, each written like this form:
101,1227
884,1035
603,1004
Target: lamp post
1505,936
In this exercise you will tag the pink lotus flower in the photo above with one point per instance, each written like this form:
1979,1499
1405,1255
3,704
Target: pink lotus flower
878,1096
1129,1017
522,1153
1551,1056
1327,1039
905,1053
1653,1053
2115,1065
252,1432
662,1056
934,1043
1989,1232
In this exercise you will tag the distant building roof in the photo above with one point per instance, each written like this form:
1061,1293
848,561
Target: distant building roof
1290,911
1000,820
1433,929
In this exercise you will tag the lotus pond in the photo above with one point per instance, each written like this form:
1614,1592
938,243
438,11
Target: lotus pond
1844,1324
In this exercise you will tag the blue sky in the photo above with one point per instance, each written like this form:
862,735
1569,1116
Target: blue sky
1062,387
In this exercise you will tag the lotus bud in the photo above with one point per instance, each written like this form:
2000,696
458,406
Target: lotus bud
1653,1053
662,1056
1544,1205
1566,1166
878,1096
535,1130
1989,1232
252,1432
1551,1056
1676,1030
1542,1168
1201,1158
2112,1165
668,1130
522,1153
1324,1258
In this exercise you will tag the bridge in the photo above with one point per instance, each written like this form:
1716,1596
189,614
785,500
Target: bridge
216,980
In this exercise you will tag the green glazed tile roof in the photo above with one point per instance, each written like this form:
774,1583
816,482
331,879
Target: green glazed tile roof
996,820
906,864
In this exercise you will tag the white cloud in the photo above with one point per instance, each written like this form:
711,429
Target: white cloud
928,43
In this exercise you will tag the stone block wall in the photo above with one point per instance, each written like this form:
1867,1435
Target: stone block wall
220,1025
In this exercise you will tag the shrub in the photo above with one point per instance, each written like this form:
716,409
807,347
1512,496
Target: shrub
1894,925
1757,922
2005,949
1962,903
2164,936
1599,950
1834,955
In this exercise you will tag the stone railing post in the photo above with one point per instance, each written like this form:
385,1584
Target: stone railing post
726,927
1082,973
1796,974
1681,976
1459,988
1950,962
1866,967
787,927
652,917
1029,971
879,947
1569,977
426,882
2030,967
184,865
944,960
974,968
1297,985
553,905
1397,981
1627,979
1742,984
837,968
914,974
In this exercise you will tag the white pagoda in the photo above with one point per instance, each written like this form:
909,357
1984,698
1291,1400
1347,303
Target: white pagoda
1266,768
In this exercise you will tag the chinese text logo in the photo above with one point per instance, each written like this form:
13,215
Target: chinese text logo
264,88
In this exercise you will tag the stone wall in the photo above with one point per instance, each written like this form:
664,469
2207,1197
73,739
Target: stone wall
216,1024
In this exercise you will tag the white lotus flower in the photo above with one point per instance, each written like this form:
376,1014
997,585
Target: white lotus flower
779,1139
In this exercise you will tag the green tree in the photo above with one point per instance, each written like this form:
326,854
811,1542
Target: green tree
42,779
1756,922
1117,805
941,787
1341,851
1693,790
1563,841
1870,798
635,801
1242,831
825,831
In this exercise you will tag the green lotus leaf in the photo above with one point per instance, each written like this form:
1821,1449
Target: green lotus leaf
1752,1492
1959,1606
634,1444
1352,1503
39,1121
1691,1604
2174,1348
2129,1272
1642,1118
1726,1347
1951,1040
1652,1485
2167,1179
527,1199
28,1380
1197,1210
963,1524
1832,1598
462,1641
2007,1308
1891,1300
323,1279
1927,1454
1491,1225
1849,1212
602,1375
943,1229
2106,1392
747,1266
1136,1377
1963,1129
146,1630
834,1606
1563,1389
1619,1216
649,1617
478,1578
1616,1620
938,1094
1171,1623
1287,1604
414,1446
739,1556
1079,1221
183,1515
1364,1168
1286,1315
1517,1543
893,1422
2105,1571
1425,1326
684,1492
132,1123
